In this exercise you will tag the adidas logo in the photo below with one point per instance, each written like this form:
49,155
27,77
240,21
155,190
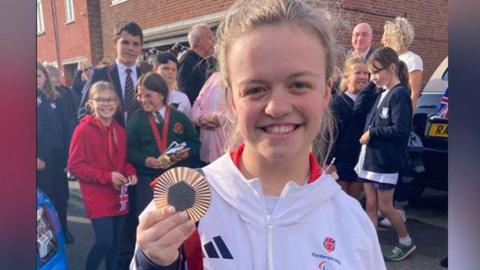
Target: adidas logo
210,249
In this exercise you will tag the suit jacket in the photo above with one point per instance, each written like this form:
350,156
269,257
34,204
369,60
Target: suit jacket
390,125
372,49
78,83
192,73
108,74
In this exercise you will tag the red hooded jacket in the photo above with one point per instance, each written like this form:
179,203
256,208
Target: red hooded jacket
95,152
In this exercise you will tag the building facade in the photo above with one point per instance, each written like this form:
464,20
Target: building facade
166,22
69,32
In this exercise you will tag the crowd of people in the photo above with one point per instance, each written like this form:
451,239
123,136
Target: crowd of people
270,120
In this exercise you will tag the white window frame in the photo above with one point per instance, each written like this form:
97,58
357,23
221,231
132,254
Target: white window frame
69,11
116,2
40,19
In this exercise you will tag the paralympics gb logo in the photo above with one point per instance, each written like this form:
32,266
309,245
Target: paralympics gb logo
329,244
322,265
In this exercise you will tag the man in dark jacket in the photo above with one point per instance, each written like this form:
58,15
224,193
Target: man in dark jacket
195,63
81,76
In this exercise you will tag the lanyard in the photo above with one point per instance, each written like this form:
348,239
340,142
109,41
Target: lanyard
161,141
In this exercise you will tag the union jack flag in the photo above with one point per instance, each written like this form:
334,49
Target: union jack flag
443,111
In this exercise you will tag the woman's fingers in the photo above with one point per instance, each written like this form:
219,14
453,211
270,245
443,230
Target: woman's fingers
173,238
132,179
118,178
161,232
152,215
159,224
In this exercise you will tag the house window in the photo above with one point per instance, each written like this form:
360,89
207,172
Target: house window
40,22
69,14
116,2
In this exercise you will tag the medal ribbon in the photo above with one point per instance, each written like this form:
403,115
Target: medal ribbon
161,141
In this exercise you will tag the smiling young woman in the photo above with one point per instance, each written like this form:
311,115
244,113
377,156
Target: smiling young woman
269,190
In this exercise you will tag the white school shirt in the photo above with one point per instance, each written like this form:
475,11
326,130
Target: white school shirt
122,75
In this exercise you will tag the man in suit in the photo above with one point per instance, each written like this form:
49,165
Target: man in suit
81,76
361,41
194,63
122,73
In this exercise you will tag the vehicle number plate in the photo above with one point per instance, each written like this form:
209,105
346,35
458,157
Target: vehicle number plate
438,130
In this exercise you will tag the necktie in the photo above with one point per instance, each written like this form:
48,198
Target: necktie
157,116
129,100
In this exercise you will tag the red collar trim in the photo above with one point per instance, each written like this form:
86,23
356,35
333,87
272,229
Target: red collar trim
315,169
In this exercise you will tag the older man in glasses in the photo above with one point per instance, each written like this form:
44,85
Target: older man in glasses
361,41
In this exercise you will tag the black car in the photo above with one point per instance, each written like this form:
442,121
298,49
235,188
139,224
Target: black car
432,127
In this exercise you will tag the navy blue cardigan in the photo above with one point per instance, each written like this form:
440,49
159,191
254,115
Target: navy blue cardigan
349,128
390,125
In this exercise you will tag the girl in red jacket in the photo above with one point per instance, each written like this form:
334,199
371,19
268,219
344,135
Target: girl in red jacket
98,160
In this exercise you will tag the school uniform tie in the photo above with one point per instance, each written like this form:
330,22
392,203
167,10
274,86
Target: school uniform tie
157,117
129,101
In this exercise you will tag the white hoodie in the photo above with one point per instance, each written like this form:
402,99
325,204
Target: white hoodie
315,226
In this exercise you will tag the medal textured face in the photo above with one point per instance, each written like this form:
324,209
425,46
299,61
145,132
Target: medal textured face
185,189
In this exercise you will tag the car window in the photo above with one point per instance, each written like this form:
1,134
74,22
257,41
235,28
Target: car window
445,76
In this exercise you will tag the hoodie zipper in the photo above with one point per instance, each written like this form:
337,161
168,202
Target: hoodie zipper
269,242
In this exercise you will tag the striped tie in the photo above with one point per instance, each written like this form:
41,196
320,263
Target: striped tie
157,116
129,102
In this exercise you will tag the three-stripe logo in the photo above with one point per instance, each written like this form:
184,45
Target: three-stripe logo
211,252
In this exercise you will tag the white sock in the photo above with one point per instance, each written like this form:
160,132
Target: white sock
406,241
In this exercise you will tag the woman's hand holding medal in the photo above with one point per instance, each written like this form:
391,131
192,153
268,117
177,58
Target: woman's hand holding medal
161,232
162,229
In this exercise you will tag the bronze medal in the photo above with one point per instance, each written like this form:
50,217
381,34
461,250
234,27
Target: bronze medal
185,189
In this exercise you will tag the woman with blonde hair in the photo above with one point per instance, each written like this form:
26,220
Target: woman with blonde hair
52,113
398,35
272,206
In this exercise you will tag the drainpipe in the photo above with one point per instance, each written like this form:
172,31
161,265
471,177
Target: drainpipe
55,33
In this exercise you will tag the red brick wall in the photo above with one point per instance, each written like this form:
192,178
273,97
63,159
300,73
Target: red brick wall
74,37
429,17
95,26
151,13
46,41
